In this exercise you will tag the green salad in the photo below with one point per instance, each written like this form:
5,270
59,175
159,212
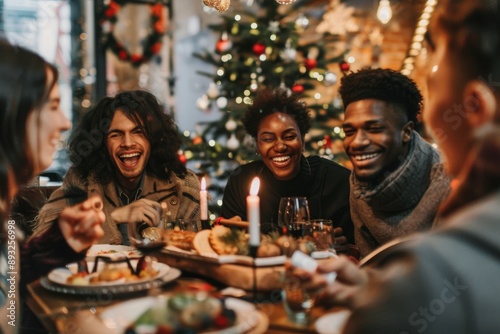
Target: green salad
184,313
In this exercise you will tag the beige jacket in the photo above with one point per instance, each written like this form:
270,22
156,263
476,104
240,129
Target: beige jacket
182,196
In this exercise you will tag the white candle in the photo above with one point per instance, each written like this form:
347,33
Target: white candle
203,200
253,213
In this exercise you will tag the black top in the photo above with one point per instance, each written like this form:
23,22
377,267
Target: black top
325,184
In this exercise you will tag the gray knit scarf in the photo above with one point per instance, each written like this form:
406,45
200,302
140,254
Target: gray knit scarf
404,202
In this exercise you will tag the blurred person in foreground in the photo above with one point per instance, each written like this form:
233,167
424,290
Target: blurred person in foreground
278,121
125,150
398,181
31,122
445,281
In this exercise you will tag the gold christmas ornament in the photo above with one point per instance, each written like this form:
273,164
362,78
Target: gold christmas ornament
220,5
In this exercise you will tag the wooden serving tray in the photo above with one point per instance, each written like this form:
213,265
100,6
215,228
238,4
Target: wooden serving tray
235,271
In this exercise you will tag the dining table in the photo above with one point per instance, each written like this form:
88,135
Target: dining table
62,312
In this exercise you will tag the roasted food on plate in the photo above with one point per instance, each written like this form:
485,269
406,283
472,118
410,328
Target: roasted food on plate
233,241
113,272
181,239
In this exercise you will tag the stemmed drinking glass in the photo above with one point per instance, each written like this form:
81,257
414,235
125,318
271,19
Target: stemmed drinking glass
293,216
146,238
149,238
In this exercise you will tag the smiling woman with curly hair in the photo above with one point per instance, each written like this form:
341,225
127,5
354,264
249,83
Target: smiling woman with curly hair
279,121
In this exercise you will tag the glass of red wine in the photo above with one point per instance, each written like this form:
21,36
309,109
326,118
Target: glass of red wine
293,216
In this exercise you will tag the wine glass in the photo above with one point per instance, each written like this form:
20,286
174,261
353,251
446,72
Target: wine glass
146,238
323,237
293,216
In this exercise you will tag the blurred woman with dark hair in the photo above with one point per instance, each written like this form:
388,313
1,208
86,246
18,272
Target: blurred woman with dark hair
31,122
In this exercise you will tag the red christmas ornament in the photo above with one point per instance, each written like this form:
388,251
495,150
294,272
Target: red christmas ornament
344,66
310,63
297,88
259,49
155,48
197,140
157,9
112,9
136,58
160,27
221,321
122,54
223,45
328,141
182,158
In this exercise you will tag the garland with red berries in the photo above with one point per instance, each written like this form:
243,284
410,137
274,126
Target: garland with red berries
151,44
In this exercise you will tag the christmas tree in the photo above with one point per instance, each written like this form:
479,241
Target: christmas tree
264,45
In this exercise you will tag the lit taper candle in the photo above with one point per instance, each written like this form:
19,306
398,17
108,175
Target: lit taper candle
205,224
253,213
203,200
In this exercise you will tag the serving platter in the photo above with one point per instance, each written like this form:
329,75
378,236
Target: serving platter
57,281
227,259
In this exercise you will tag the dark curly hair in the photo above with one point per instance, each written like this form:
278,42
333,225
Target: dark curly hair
87,143
269,101
385,85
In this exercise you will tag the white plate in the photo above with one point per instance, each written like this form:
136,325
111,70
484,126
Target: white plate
121,289
110,250
60,275
118,317
332,323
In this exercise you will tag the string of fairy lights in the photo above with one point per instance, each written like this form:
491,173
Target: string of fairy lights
418,37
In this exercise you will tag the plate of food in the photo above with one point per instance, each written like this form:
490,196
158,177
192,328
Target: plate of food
112,250
112,276
228,245
184,312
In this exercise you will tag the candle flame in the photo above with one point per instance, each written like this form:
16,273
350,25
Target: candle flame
203,184
254,188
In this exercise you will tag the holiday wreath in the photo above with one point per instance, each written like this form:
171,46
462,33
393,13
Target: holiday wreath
151,44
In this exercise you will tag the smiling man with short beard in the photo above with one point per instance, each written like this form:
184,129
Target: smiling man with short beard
397,182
